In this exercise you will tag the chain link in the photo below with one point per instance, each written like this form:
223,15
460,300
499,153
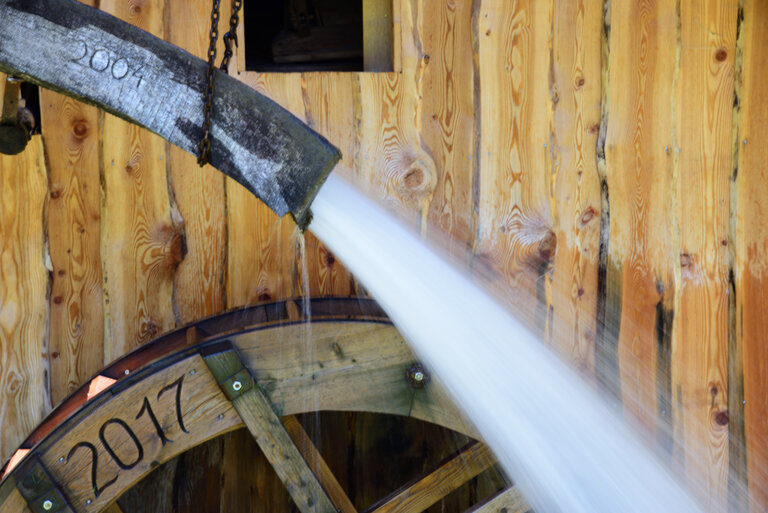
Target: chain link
204,155
231,36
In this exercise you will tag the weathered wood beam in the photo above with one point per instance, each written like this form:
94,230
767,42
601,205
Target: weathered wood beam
319,467
270,434
506,501
94,57
425,492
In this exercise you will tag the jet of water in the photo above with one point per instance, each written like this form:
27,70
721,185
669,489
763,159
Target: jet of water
555,437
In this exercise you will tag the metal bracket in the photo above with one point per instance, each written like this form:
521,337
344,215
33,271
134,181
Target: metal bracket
36,485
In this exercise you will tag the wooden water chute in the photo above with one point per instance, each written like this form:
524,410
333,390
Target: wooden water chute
89,55
256,367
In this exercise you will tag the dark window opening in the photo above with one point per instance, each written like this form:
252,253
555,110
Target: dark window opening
303,35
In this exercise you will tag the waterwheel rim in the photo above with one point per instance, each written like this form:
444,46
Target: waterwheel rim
163,399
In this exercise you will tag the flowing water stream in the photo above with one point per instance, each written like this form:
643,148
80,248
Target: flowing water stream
554,436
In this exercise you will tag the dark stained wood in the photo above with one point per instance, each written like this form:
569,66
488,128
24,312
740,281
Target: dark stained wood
748,358
426,491
316,462
112,64
506,501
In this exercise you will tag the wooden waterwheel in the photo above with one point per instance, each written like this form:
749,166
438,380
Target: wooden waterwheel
256,367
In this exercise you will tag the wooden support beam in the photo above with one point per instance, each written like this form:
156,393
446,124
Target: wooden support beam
265,426
506,501
87,54
425,492
316,462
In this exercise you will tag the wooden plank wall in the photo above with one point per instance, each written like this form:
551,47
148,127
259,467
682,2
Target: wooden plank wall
605,158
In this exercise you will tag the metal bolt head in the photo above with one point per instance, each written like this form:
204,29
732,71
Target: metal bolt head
417,376
47,505
236,386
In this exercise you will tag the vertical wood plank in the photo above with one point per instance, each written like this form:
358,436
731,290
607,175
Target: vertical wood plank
700,352
74,237
24,282
261,248
751,240
577,82
447,114
640,181
198,194
514,212
394,164
142,247
330,106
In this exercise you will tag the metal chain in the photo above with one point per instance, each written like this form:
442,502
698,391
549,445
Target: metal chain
231,36
204,155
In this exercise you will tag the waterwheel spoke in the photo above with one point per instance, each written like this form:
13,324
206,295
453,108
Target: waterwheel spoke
509,500
271,436
426,491
316,462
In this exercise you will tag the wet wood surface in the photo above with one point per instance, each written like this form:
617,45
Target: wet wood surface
641,238
749,337
600,188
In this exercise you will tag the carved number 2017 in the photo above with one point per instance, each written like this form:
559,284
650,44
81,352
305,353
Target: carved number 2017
101,60
146,407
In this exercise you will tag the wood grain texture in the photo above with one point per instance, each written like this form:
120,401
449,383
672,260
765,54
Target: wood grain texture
331,101
248,482
576,63
11,500
318,465
24,282
204,411
506,501
640,182
751,243
263,423
447,93
199,195
142,246
74,239
700,350
515,215
437,484
394,164
261,247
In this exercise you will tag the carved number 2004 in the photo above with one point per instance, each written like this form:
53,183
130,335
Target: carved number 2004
122,425
102,60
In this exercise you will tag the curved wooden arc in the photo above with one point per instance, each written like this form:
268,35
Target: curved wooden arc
165,400
94,57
